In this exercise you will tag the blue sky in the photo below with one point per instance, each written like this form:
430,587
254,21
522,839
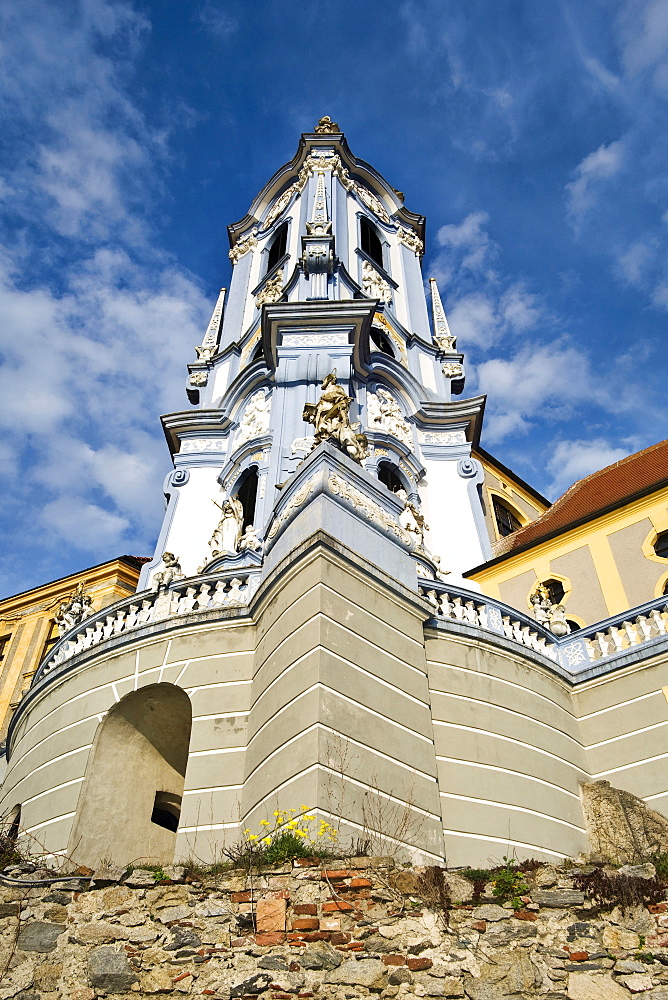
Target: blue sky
531,134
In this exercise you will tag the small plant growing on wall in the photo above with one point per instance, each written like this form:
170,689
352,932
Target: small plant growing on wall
294,833
508,883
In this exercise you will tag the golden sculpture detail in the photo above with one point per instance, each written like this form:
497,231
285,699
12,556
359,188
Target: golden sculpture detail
326,126
330,418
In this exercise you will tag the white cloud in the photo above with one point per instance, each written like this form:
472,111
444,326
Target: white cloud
599,166
643,29
469,241
572,460
85,525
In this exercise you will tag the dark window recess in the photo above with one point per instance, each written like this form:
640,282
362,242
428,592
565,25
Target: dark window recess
166,810
278,247
389,477
51,639
506,521
661,545
247,494
573,626
665,587
4,646
555,589
381,342
370,240
258,352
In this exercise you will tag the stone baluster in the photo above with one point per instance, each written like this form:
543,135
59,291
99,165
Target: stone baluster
507,627
235,593
658,621
617,637
131,618
108,627
471,613
430,595
446,606
186,602
601,643
645,627
145,611
218,596
204,597
119,621
89,636
631,633
458,611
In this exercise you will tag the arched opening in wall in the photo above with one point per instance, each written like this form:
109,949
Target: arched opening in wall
388,475
278,247
661,546
130,801
370,241
555,591
573,626
506,518
258,353
247,493
381,342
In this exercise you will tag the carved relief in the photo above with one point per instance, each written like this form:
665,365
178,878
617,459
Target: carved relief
330,418
255,421
385,415
315,339
202,444
410,240
298,499
198,378
363,505
271,291
371,201
452,370
243,246
373,284
445,437
279,206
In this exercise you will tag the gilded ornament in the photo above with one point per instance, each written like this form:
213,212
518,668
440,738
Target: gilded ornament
452,370
411,240
330,418
326,127
271,291
243,246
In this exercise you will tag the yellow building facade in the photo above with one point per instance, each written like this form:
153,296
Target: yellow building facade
29,621
601,548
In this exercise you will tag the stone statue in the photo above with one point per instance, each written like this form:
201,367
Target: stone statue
385,414
271,291
330,418
255,421
326,126
172,571
73,610
227,534
249,540
412,520
558,624
541,606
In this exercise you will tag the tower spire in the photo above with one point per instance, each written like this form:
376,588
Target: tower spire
442,336
320,224
318,245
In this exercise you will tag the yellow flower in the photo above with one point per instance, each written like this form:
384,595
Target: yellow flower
267,841
277,812
246,831
309,817
303,807
300,833
292,824
264,822
252,836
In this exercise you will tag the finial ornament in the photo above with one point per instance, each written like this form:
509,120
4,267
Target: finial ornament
330,418
73,611
442,336
326,126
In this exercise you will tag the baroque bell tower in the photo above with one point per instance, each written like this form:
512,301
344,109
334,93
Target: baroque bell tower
326,285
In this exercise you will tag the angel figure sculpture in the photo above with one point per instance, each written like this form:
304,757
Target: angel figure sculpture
330,418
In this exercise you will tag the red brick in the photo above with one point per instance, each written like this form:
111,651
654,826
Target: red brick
270,914
241,897
479,925
525,915
337,904
340,937
243,942
305,909
360,883
295,943
355,946
264,940
338,873
314,936
657,907
330,924
394,959
578,956
306,924
418,964
306,862
184,975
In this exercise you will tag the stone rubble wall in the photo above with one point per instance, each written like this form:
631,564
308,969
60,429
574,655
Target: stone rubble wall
303,930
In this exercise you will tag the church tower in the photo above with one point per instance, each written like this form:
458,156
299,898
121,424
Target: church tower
305,637
326,280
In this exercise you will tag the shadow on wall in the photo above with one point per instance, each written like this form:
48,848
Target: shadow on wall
130,800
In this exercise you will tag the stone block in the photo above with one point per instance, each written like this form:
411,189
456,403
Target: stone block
270,915
618,938
491,912
320,956
264,940
393,959
636,983
589,986
109,970
369,972
419,964
39,936
558,898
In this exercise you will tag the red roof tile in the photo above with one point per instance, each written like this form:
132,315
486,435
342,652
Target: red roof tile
606,489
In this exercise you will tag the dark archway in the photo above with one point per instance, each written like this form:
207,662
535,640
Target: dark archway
130,801
389,476
247,493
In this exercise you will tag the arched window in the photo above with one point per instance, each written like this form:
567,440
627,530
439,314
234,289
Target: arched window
278,247
247,493
389,477
370,240
258,352
661,545
555,590
381,342
506,519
